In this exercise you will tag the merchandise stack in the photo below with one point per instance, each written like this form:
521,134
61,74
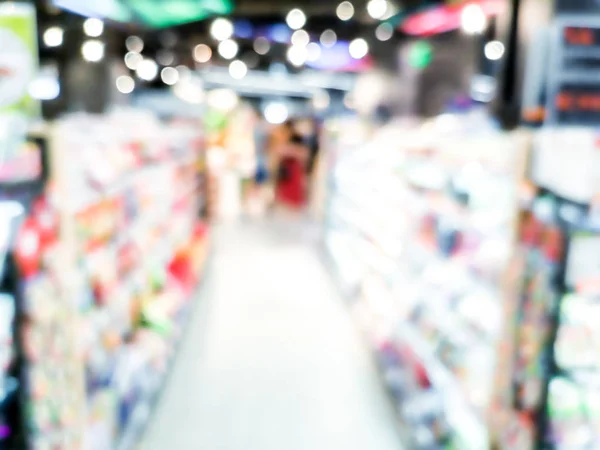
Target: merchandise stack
109,259
420,229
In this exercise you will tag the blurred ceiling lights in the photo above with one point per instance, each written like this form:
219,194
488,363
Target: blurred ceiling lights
314,52
297,55
169,76
221,29
202,53
45,86
328,38
228,49
125,84
384,32
345,11
296,19
262,45
53,37
473,20
132,59
276,113
377,9
147,70
93,27
134,44
300,38
165,57
358,48
494,50
93,50
238,69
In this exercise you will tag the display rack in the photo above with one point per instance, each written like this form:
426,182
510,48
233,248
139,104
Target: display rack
420,229
108,264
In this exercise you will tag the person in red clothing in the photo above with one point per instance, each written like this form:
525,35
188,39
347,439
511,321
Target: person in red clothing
291,183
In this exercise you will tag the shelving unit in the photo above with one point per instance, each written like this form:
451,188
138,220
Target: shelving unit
420,228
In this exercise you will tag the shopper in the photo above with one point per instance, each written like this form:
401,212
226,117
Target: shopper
293,157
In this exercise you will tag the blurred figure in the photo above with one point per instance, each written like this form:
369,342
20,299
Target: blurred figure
292,159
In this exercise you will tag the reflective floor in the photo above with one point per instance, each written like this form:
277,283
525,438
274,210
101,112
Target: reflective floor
272,360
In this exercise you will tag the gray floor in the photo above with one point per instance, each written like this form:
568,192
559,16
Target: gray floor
272,360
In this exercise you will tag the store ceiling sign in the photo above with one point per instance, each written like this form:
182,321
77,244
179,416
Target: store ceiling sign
18,58
446,18
154,13
573,96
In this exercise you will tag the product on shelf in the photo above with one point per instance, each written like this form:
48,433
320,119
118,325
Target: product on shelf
420,224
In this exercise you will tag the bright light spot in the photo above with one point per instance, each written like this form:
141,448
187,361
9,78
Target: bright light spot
345,11
184,72
276,113
328,38
377,8
169,76
358,48
53,37
228,49
297,55
314,52
125,84
93,27
221,29
134,44
132,60
191,91
295,19
321,100
473,20
222,99
300,38
45,86
165,57
262,45
92,51
238,69
202,53
384,32
147,70
494,50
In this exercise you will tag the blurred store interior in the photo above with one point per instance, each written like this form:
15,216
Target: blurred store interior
299,225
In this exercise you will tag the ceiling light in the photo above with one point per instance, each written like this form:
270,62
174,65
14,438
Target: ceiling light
262,45
228,49
297,55
321,100
190,91
165,57
276,113
384,32
132,60
125,84
134,44
92,50
93,27
358,48
494,50
221,29
300,38
473,20
345,11
377,8
169,76
147,70
295,19
202,53
53,37
328,38
45,86
314,52
238,69
222,99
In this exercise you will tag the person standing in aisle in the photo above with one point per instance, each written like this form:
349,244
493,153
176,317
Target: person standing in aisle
292,156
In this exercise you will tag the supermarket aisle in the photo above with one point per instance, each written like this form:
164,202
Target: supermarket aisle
272,360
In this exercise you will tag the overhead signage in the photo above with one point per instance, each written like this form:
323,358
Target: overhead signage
574,73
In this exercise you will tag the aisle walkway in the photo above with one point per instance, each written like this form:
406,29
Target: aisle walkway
272,360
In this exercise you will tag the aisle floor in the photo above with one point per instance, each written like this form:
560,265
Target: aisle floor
271,359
